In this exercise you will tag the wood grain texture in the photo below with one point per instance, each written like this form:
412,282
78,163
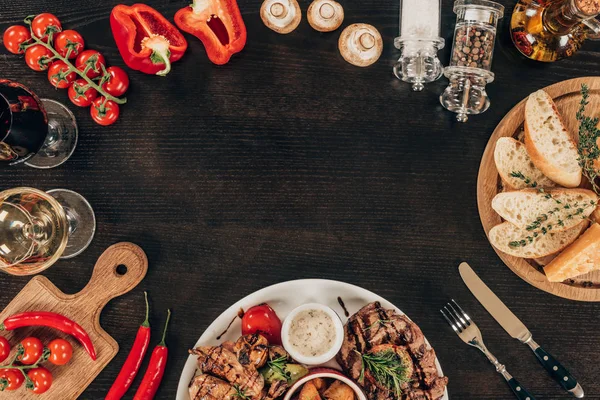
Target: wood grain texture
566,96
84,308
290,163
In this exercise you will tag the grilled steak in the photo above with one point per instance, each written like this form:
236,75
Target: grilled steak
374,330
206,387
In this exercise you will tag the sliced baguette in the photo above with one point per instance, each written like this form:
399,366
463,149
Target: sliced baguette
511,156
522,208
542,246
581,257
548,142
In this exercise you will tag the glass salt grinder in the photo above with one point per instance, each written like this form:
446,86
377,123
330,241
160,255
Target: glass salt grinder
471,58
419,42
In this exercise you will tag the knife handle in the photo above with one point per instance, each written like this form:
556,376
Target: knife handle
556,370
519,391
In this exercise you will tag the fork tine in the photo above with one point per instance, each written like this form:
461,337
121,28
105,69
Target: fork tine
452,324
462,311
458,315
454,319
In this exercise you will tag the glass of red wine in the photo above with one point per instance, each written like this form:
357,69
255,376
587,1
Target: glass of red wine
41,133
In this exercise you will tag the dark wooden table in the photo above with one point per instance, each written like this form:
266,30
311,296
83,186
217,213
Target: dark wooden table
290,163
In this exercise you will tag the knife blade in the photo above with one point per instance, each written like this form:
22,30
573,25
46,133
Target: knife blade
517,329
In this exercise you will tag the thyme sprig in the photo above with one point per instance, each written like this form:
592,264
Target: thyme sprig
240,393
387,368
588,149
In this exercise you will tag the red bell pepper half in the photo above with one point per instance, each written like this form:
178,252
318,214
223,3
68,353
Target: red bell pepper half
218,24
147,41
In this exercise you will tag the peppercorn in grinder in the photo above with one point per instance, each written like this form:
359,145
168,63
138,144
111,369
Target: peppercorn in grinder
470,65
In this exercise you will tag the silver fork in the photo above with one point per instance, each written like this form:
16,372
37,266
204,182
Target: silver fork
469,333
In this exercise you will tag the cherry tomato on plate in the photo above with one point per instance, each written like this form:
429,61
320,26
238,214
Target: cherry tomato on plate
59,75
262,319
37,57
11,379
14,37
4,348
32,350
90,60
42,379
61,352
118,82
69,39
78,96
43,24
104,112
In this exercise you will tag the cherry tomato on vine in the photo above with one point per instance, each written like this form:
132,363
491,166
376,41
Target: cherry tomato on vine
43,24
104,112
78,96
4,348
42,379
37,57
69,39
90,58
262,319
32,350
14,37
11,379
59,75
61,352
118,82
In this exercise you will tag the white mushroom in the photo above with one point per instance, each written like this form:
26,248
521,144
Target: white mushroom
282,16
360,44
325,15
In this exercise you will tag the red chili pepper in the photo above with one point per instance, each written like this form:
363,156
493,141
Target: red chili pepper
51,320
218,24
156,368
134,360
147,41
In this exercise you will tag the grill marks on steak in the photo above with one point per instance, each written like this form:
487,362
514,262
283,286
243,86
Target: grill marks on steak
373,327
207,387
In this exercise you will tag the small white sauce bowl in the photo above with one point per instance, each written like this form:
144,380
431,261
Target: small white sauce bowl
317,360
325,373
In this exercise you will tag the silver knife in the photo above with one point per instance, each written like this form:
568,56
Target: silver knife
517,329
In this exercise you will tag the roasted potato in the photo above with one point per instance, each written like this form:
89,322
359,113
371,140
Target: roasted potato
339,391
309,392
320,384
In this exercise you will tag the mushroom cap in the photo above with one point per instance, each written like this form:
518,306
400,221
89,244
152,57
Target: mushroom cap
360,44
325,15
282,16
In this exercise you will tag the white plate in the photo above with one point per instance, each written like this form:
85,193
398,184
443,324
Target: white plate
283,298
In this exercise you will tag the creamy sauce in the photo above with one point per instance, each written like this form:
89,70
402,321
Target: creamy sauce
312,333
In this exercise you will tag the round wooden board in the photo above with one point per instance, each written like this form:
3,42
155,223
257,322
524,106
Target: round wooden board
566,95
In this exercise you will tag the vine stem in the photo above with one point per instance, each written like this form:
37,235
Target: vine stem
72,68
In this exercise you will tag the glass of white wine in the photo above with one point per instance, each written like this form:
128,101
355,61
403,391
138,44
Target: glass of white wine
37,228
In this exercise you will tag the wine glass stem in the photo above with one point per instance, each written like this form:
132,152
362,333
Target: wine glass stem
37,230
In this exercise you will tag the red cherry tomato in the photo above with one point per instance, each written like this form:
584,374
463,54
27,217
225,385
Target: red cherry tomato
61,352
118,82
69,39
43,24
37,57
90,60
104,113
42,379
4,348
78,96
11,379
14,37
59,75
32,350
262,319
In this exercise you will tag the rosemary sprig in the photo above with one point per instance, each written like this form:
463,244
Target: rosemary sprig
239,392
587,147
387,368
279,365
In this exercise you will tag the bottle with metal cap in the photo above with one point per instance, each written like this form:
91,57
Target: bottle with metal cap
419,42
470,65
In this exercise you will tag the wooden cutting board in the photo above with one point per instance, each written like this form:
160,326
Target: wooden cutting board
84,308
566,95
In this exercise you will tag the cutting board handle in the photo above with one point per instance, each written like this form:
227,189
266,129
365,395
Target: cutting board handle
118,270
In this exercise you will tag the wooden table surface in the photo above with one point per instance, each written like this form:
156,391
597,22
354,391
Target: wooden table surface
290,163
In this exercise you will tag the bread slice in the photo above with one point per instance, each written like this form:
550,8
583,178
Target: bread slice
511,156
524,207
502,235
581,257
548,142
542,261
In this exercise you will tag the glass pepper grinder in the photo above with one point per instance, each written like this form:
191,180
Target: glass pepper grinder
471,60
419,42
